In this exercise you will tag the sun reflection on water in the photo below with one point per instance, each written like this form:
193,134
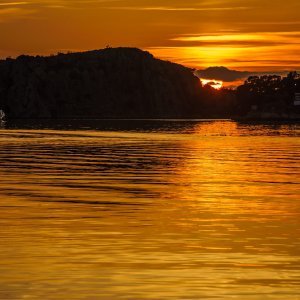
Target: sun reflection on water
209,209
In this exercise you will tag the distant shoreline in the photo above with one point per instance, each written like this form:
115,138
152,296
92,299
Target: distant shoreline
234,119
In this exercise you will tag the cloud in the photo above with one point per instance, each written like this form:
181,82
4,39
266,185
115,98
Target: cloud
12,13
235,43
13,3
170,8
231,76
260,39
273,58
174,5
253,50
222,73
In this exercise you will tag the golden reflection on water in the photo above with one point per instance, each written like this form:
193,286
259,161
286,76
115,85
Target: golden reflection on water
208,210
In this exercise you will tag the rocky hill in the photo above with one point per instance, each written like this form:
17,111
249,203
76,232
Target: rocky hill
108,83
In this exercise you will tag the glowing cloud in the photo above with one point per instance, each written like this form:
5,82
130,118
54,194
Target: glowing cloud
216,84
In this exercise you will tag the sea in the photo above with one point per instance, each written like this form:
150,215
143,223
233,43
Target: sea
149,209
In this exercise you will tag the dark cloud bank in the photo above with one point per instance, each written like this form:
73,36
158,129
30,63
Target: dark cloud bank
227,75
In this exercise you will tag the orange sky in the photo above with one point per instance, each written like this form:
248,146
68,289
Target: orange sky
253,35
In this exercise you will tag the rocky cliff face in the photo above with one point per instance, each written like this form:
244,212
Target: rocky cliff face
108,83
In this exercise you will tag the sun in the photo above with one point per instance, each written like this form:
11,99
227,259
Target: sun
216,84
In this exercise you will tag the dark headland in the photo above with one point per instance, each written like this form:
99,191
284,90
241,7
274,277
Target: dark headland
108,83
131,83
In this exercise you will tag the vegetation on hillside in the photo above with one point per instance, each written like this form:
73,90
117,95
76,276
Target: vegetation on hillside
109,83
130,83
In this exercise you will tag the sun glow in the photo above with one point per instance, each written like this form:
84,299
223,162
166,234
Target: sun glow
216,84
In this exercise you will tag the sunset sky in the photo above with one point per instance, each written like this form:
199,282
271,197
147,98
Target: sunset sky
252,35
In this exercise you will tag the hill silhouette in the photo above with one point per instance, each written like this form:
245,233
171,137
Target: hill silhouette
108,83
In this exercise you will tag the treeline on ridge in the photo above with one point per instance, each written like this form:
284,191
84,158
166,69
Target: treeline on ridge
131,83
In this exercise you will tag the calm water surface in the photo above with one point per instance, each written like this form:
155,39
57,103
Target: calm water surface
150,210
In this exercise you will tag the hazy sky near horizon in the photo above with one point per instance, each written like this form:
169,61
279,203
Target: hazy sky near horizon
253,35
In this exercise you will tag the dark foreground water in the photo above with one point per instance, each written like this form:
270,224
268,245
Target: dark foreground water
150,210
